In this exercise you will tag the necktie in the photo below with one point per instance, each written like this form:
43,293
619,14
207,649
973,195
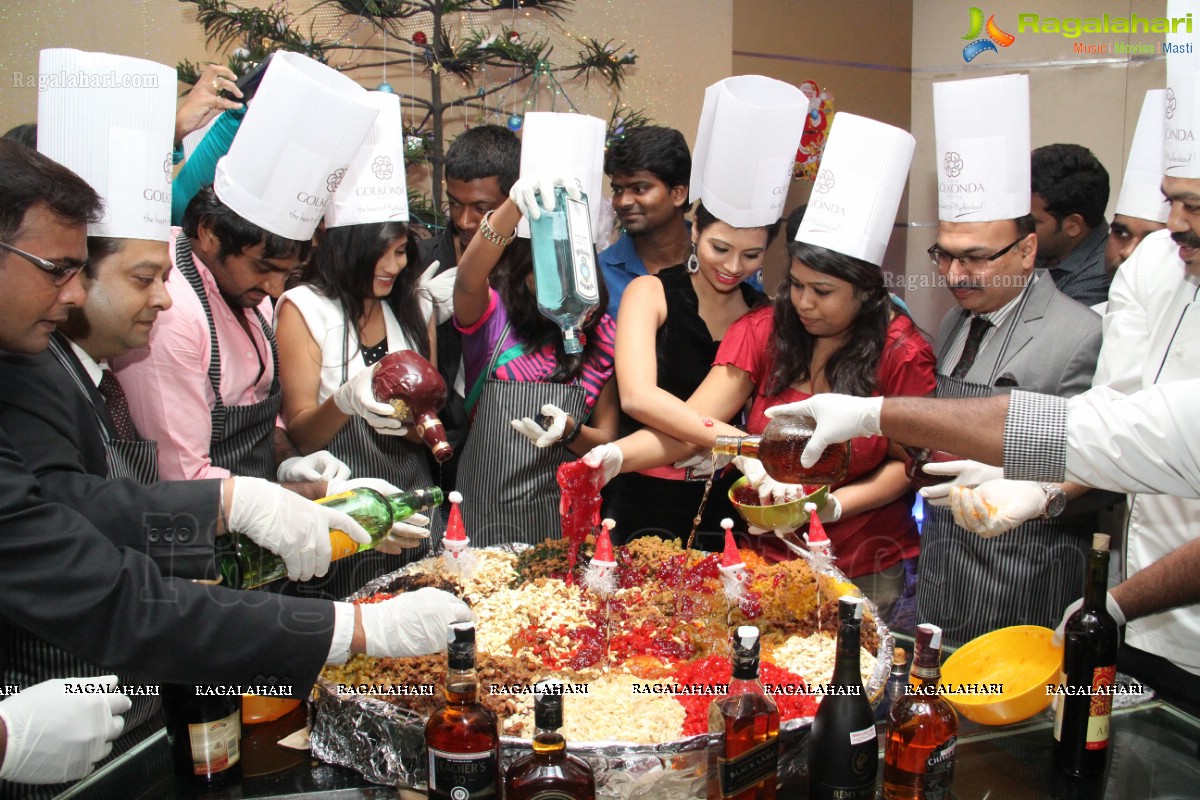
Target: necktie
118,406
979,327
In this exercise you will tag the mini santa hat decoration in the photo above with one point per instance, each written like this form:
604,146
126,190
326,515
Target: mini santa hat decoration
816,529
731,557
604,551
456,535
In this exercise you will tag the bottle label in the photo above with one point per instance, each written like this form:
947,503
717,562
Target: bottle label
743,771
865,735
939,770
216,744
579,225
1101,707
463,775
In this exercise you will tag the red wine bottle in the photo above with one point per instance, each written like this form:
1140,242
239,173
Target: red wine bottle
1081,725
843,751
204,730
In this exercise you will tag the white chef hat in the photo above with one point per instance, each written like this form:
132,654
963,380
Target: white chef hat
746,144
854,200
1182,151
374,189
305,124
111,119
1141,193
569,145
982,128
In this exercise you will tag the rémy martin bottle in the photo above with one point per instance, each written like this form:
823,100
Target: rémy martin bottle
463,737
922,730
1081,724
251,566
747,760
843,752
549,772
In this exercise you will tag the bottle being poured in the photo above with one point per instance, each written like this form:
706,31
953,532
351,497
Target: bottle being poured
415,389
564,264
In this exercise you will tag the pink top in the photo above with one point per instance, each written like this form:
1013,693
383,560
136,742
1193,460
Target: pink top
167,383
874,540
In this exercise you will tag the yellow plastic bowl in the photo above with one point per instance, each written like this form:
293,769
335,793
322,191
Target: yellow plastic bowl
781,515
1021,660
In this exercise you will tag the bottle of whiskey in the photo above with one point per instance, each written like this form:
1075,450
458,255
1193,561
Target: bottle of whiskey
1081,724
564,266
843,752
897,684
251,566
747,760
204,731
779,448
549,772
462,737
922,730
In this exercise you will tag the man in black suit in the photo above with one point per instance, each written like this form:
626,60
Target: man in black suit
65,582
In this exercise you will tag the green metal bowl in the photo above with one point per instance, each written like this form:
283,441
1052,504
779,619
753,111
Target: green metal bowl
782,515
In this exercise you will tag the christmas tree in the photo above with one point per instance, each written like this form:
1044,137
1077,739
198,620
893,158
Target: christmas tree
450,48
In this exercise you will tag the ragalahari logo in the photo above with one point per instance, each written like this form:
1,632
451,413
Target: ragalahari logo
994,37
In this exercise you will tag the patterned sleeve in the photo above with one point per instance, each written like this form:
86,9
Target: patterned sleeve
1035,437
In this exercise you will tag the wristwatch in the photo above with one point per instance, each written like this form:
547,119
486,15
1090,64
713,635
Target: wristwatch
1056,500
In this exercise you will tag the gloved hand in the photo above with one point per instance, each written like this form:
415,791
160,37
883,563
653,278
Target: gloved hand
319,466
608,456
1109,602
837,418
357,398
832,510
440,289
701,464
997,506
406,533
55,735
543,437
294,528
525,191
770,491
962,473
412,624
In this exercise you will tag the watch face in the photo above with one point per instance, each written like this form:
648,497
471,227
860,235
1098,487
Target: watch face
1056,503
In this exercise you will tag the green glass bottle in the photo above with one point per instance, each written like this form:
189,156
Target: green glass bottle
251,566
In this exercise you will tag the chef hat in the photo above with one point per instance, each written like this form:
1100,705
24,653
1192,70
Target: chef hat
1182,155
982,148
854,200
746,144
1141,193
305,124
568,145
111,119
374,189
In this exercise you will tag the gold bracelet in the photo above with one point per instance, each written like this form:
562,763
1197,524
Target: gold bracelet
488,232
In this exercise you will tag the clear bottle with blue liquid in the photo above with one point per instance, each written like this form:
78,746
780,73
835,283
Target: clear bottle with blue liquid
564,266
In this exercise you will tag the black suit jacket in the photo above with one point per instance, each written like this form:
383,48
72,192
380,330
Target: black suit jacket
56,431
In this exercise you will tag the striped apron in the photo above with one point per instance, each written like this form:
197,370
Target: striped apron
509,486
400,463
969,585
242,436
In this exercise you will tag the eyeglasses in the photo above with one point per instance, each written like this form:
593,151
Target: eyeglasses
942,260
61,273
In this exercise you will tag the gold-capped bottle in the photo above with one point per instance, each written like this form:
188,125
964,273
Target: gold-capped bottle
549,772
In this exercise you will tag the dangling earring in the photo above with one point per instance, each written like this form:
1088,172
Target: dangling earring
693,263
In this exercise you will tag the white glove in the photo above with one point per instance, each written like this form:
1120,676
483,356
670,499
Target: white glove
770,491
356,397
412,624
997,506
56,735
407,533
440,289
288,525
962,473
319,466
1110,602
608,456
701,464
837,418
525,191
543,437
832,510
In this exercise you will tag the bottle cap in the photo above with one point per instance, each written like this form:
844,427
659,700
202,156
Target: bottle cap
1100,542
899,657
548,704
928,646
745,652
460,645
850,608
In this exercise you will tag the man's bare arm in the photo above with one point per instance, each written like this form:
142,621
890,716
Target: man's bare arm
1170,582
969,428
